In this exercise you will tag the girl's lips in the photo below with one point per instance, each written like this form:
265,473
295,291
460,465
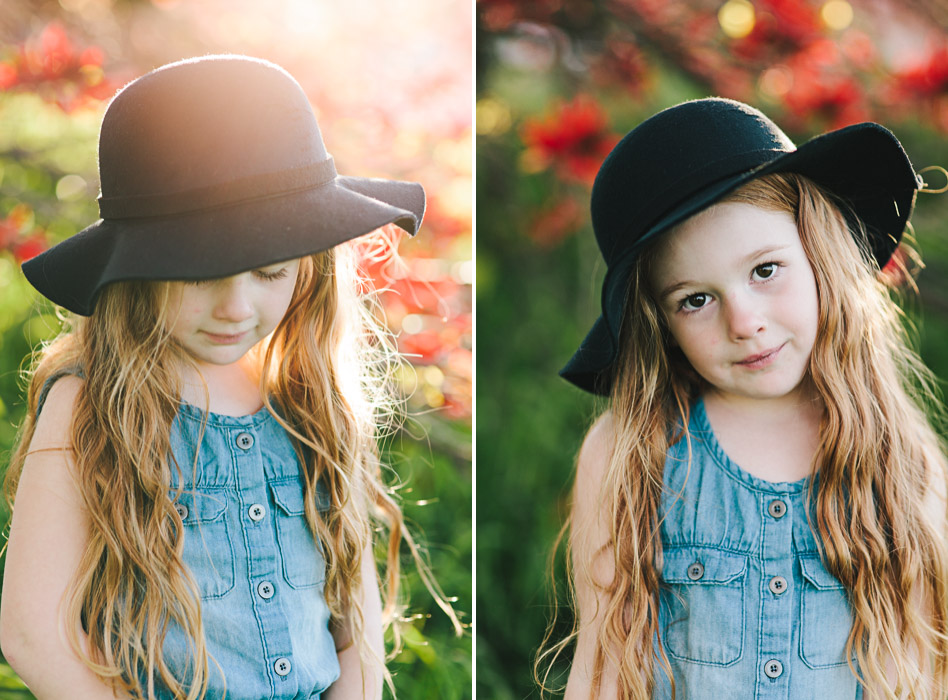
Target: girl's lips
762,359
225,339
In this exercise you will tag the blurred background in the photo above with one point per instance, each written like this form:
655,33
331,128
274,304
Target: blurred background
391,85
558,83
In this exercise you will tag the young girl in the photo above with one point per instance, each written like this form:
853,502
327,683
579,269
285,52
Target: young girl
761,511
197,479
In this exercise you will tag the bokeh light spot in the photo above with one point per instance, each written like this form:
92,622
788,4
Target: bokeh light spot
493,117
837,14
736,18
413,323
70,187
776,81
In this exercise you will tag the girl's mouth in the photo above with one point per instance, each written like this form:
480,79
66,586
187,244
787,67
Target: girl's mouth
761,359
218,339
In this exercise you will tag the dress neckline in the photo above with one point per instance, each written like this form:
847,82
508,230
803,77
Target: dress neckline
222,419
700,428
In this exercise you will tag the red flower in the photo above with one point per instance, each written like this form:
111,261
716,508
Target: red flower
422,348
554,224
56,70
573,139
823,86
930,77
30,247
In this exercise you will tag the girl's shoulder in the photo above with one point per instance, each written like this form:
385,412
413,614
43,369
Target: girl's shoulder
597,448
592,464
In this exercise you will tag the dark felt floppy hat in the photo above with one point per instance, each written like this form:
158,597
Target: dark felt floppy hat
687,157
210,167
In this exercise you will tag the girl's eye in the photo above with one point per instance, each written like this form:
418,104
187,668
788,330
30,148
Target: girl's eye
271,276
695,302
198,283
765,271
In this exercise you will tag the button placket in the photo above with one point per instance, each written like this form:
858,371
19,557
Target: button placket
776,614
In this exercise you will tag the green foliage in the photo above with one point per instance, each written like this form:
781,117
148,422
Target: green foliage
432,460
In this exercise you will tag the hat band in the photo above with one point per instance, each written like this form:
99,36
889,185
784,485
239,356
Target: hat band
222,194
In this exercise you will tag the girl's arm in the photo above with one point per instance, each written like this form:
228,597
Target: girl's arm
357,680
48,534
589,532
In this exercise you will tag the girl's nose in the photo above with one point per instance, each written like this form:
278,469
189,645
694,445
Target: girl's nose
744,317
234,303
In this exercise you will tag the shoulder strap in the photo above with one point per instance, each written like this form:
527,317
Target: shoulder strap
44,392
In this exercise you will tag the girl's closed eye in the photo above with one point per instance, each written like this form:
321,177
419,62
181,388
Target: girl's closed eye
271,275
262,273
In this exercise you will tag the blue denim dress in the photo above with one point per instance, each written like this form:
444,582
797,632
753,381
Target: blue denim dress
747,610
248,547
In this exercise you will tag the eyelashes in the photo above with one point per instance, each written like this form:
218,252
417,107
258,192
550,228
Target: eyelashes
272,276
264,275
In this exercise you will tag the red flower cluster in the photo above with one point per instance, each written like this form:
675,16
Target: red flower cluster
573,139
18,235
780,27
428,309
824,86
499,15
52,67
929,77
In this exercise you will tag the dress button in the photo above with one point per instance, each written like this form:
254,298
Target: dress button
778,584
696,571
244,441
257,512
772,668
182,510
777,509
281,666
265,590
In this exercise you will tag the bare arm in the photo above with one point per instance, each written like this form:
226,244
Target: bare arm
352,671
48,534
590,531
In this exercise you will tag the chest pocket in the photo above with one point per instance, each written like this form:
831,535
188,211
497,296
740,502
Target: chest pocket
207,551
303,564
703,605
826,616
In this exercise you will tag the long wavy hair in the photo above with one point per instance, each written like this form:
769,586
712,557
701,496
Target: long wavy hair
879,511
324,375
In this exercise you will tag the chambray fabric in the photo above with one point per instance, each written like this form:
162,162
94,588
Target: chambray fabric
722,624
251,628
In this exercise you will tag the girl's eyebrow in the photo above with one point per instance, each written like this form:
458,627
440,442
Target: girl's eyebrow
746,260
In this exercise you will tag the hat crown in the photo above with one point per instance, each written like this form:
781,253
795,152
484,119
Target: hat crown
203,123
670,157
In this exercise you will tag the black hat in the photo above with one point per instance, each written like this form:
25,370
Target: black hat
210,167
687,157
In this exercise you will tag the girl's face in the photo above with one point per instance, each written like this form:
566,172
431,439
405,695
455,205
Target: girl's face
740,299
217,321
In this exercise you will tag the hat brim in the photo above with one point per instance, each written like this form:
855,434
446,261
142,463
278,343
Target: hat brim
864,165
204,245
